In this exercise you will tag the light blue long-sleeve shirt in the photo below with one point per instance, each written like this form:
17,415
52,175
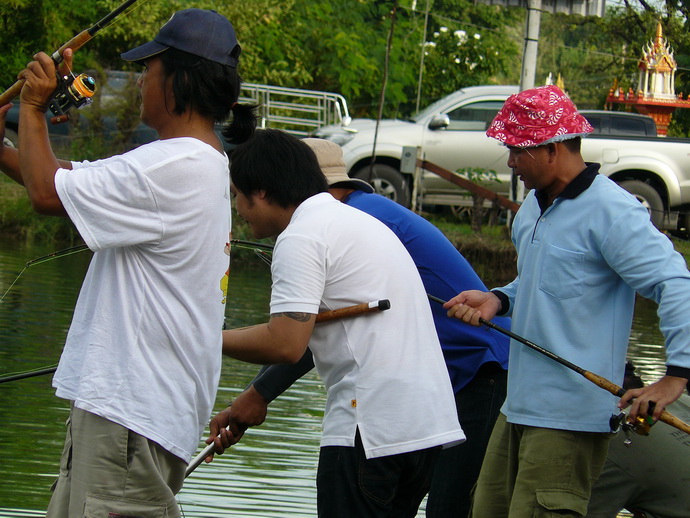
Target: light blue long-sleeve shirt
580,263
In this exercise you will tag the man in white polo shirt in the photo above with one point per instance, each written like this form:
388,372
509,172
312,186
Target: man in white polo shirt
390,404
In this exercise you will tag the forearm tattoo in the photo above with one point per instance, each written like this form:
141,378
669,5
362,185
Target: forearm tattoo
300,317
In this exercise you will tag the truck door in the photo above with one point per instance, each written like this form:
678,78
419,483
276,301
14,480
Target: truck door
463,143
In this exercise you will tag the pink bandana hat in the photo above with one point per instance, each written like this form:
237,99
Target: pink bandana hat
536,117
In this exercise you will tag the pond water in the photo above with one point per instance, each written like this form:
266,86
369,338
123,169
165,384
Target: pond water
270,473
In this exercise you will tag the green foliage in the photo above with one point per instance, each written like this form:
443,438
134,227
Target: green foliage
340,45
18,218
460,53
591,53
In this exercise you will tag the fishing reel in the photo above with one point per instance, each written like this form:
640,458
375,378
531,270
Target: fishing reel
72,92
640,425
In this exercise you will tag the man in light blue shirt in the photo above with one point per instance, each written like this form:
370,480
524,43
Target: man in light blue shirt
585,247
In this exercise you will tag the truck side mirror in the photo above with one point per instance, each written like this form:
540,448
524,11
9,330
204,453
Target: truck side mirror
440,121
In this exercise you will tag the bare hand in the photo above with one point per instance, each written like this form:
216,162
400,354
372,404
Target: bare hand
40,79
219,434
659,394
228,427
248,409
470,305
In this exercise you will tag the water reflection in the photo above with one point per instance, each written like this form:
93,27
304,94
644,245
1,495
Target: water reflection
271,473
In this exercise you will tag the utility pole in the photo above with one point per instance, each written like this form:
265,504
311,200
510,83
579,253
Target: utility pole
531,47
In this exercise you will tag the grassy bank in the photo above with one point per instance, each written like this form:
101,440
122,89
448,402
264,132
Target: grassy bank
18,219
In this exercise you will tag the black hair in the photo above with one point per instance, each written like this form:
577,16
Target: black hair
211,89
574,145
278,163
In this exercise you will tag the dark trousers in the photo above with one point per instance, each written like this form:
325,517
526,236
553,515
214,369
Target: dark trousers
457,468
350,485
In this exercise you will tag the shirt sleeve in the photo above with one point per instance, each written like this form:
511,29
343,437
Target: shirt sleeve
298,271
647,261
111,203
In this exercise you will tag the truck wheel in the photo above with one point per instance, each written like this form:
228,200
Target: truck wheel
647,196
12,136
387,181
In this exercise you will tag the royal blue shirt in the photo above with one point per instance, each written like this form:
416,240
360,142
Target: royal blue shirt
445,273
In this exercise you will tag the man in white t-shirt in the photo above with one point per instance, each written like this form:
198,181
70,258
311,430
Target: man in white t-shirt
142,357
390,405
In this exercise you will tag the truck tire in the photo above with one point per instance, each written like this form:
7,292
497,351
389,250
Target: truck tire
387,181
647,196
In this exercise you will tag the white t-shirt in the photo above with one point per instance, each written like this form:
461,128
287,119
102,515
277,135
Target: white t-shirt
144,346
384,372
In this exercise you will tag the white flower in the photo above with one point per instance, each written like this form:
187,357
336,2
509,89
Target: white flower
461,36
443,29
477,36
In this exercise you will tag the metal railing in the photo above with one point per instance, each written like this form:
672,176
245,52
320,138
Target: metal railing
294,110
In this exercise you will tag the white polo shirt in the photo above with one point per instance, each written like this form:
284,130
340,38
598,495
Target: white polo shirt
384,372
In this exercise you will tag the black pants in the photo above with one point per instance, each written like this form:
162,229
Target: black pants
348,485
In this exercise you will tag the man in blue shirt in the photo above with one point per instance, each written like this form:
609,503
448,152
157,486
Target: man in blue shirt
585,246
476,357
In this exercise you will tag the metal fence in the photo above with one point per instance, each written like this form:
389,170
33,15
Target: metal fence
294,110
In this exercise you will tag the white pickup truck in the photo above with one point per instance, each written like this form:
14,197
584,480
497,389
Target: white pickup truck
451,134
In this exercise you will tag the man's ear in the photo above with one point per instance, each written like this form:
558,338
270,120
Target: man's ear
553,150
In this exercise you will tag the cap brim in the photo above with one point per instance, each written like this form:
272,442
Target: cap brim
143,52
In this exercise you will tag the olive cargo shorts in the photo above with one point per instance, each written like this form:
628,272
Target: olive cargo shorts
108,470
531,472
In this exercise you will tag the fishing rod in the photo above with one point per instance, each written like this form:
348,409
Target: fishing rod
607,385
251,245
260,249
28,374
349,311
49,257
75,43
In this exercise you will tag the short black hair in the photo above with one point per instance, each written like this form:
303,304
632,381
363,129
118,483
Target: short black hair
574,145
278,163
209,88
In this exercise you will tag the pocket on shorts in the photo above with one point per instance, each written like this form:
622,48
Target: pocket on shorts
557,502
563,273
106,506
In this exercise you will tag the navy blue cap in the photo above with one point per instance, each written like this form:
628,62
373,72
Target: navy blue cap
201,32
